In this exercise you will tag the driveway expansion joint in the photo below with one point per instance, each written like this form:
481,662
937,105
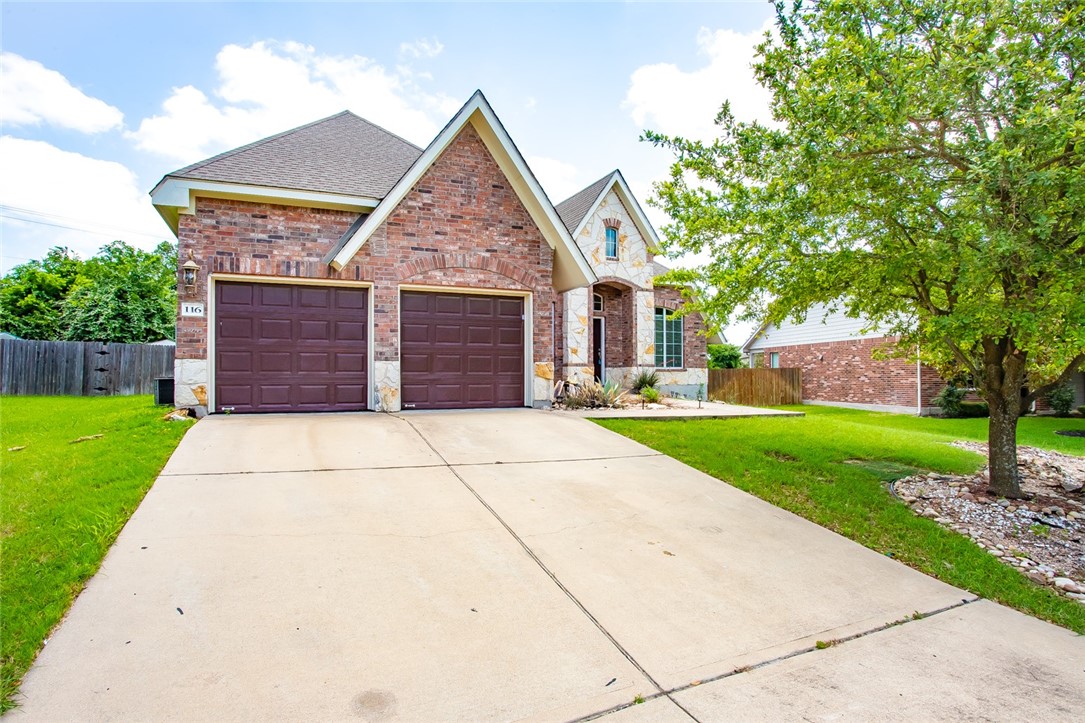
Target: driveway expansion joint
561,586
772,661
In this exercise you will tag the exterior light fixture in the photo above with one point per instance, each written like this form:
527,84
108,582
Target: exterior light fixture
189,273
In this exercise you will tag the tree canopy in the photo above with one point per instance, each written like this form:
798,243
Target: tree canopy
122,294
924,171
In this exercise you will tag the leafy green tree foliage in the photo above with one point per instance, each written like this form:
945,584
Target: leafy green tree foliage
124,295
32,295
724,356
924,171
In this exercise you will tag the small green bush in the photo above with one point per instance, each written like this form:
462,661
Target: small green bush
1061,399
592,395
645,378
650,395
949,400
974,410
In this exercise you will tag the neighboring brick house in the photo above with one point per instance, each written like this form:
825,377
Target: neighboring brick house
838,368
835,356
338,267
625,323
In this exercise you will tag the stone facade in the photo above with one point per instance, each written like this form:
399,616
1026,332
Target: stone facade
844,372
629,300
461,226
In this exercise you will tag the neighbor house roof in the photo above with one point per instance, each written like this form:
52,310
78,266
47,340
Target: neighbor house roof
342,161
571,269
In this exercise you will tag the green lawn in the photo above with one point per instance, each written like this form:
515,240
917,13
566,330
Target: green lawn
798,463
63,504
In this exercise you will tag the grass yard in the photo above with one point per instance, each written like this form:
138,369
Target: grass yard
799,464
63,504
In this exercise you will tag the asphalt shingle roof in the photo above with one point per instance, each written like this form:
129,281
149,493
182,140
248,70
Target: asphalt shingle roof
339,154
573,209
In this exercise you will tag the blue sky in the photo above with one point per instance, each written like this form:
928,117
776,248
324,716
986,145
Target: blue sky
99,100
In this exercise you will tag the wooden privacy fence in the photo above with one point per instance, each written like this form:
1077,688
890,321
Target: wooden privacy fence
81,368
756,387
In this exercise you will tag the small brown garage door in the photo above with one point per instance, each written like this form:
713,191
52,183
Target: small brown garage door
290,348
461,351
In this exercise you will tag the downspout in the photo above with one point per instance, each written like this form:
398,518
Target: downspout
918,384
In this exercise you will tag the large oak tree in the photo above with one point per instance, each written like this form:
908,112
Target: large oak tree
925,169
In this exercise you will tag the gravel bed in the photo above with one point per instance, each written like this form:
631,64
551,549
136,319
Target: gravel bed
1043,536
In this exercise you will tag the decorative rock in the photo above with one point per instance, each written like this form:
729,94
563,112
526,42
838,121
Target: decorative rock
1072,485
996,553
1067,585
1003,502
1036,576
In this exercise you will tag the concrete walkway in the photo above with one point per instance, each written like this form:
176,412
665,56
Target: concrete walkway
511,565
680,409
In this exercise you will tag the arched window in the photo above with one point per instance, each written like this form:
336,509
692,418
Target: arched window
612,242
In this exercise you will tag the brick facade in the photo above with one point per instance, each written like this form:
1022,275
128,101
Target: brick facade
844,371
619,327
462,225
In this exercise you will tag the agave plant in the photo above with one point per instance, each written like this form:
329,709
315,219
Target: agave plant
645,378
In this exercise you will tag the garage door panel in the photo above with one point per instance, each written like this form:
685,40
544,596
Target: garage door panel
315,361
312,329
314,297
480,335
283,347
350,330
447,304
236,361
274,295
273,329
232,327
472,354
447,334
270,362
346,362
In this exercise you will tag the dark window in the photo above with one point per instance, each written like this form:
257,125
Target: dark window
612,243
668,339
597,302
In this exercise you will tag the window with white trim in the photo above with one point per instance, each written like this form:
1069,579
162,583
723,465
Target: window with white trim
668,339
774,360
597,302
612,242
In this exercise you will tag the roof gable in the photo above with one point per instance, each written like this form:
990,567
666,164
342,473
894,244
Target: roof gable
578,209
571,269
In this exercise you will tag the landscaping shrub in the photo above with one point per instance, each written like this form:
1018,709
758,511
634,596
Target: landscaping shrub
949,400
1061,399
974,410
591,395
650,395
645,378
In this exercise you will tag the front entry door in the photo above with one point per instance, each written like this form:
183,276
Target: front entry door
598,347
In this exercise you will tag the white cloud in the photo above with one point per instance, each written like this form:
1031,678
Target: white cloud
422,48
76,201
664,98
32,94
268,87
558,178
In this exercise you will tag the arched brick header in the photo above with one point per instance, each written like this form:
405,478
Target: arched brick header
669,304
614,223
619,281
480,262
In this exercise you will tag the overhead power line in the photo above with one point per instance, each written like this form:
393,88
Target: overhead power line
7,211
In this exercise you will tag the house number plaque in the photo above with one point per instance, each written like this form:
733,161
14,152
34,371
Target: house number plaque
190,308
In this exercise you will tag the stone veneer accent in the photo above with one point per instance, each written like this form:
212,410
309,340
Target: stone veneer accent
844,372
461,226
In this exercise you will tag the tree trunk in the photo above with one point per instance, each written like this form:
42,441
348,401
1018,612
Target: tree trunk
1004,377
1002,446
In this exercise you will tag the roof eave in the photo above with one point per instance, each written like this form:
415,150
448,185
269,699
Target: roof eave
175,196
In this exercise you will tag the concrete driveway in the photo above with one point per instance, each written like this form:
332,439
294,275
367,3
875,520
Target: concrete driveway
511,565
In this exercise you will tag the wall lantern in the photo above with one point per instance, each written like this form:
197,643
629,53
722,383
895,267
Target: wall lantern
189,273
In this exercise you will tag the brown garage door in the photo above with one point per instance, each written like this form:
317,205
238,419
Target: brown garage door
461,351
290,348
